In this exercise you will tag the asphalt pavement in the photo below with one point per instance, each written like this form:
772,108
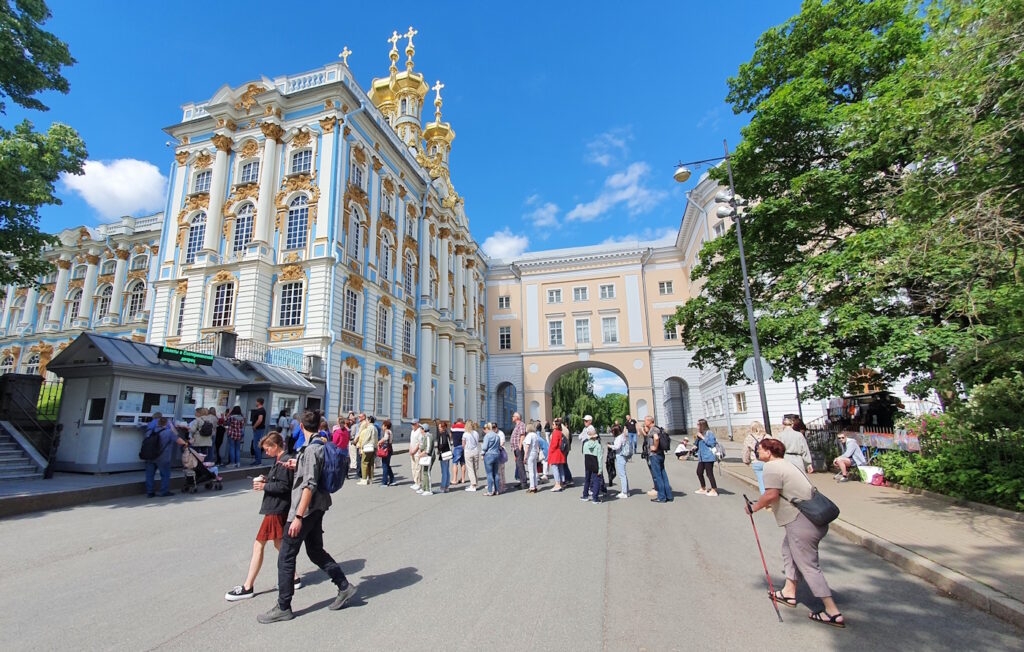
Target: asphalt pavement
458,571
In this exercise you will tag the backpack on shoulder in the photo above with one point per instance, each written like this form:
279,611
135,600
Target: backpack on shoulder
332,477
627,448
563,444
664,441
206,430
719,451
151,449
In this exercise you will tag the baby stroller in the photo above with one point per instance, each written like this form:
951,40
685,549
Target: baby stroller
198,472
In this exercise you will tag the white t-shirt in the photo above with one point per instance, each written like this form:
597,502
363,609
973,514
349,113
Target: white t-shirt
501,438
414,438
530,446
471,441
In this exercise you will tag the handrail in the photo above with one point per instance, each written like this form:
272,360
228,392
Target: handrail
54,433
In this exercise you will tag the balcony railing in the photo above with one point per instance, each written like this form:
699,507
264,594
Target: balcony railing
254,351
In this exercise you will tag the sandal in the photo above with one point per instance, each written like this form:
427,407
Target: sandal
781,599
824,617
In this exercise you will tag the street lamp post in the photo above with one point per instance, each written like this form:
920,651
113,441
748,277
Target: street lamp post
731,209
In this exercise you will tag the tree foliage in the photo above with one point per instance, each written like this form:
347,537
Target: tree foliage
31,60
883,161
572,396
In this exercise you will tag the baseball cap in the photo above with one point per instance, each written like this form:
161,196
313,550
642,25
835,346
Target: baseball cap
587,417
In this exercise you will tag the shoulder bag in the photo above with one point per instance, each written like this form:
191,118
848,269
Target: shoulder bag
819,509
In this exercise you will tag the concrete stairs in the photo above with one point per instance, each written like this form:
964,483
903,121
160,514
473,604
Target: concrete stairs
15,462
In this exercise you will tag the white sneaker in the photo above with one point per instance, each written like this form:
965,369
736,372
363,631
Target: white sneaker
621,495
543,477
426,493
711,493
470,488
419,490
702,492
362,482
416,487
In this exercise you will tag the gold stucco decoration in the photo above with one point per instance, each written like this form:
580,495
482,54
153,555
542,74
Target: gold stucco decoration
292,273
250,149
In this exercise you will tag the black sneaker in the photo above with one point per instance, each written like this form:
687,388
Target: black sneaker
343,597
238,593
275,615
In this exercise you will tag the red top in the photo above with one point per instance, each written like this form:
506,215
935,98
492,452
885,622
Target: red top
340,438
555,454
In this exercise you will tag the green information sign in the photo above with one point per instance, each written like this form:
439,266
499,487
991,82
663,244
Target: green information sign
180,355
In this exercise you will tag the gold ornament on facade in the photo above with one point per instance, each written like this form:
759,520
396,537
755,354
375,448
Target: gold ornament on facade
327,124
351,339
471,263
105,278
359,154
386,302
383,371
123,254
407,377
77,283
203,160
221,142
250,149
181,157
444,232
83,235
182,288
329,104
272,131
292,273
356,282
351,362
62,263
433,264
402,191
377,164
346,131
222,276
137,275
248,98
358,195
292,258
155,248
302,138
451,278
388,186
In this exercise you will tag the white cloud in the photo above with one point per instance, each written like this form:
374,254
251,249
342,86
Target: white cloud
606,382
711,119
543,214
120,187
609,147
504,244
664,234
626,187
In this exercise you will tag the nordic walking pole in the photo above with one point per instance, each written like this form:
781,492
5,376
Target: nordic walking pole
767,576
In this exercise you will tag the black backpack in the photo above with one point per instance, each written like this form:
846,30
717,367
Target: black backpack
664,441
563,443
206,430
151,449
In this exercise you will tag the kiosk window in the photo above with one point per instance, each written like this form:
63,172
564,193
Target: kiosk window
97,407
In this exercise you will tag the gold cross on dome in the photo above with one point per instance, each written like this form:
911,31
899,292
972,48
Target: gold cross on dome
411,33
437,89
393,40
344,55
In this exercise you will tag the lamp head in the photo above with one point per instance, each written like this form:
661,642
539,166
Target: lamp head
723,197
725,211
682,173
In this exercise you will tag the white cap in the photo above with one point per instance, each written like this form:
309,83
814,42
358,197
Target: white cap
587,417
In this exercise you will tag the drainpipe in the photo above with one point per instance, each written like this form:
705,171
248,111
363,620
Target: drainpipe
725,399
648,252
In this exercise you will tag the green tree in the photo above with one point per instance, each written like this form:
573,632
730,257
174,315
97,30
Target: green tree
613,407
569,387
883,164
31,60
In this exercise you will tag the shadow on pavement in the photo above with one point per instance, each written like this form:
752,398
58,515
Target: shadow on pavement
349,567
372,586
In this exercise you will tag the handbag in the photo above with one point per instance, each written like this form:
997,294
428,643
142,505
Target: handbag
447,455
368,447
819,509
424,460
383,450
502,456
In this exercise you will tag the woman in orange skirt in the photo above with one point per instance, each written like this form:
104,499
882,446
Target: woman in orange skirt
277,496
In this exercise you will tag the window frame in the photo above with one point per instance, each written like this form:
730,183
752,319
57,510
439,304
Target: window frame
291,300
195,236
665,288
614,320
297,223
349,381
74,302
602,294
554,295
246,214
672,334
305,157
246,179
382,324
135,296
504,338
552,333
204,175
103,300
407,337
578,296
354,314
505,302
585,321
222,308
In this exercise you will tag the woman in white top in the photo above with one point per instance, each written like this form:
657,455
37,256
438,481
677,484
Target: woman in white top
504,457
531,453
471,448
620,447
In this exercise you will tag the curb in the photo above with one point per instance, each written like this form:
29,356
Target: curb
956,584
961,502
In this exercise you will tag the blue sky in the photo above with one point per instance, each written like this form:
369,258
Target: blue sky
569,116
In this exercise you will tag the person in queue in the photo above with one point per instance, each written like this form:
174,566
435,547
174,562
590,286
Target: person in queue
471,446
556,458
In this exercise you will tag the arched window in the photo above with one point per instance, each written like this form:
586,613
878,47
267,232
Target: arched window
17,312
136,300
290,313
103,301
382,324
405,106
302,161
140,262
7,365
243,227
354,233
410,226
196,233
32,364
202,183
223,302
109,267
351,310
385,257
44,307
298,221
357,174
408,275
385,201
250,172
79,271
74,305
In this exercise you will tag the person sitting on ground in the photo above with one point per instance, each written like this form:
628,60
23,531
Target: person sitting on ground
684,451
784,482
277,499
852,457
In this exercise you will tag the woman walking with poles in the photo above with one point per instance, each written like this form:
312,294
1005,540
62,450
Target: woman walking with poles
784,482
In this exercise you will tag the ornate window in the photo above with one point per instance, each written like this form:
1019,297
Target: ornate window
32,364
290,313
385,201
408,275
179,316
7,365
140,262
410,226
351,308
109,267
405,106
223,302
407,337
382,324
196,233
357,175
74,305
380,396
354,233
298,220
17,312
79,271
202,183
44,307
103,303
243,227
348,391
385,257
250,172
302,161
136,300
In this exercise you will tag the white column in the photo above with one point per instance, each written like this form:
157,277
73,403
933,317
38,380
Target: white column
265,208
120,271
171,219
89,289
424,371
372,237
60,293
31,299
424,258
444,366
442,272
7,308
460,275
218,189
471,298
473,391
460,382
325,178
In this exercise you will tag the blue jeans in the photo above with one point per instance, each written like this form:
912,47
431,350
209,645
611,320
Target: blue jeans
165,475
758,467
387,475
234,451
620,468
491,464
556,472
446,474
257,435
632,440
660,478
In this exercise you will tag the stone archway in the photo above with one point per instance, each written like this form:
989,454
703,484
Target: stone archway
676,405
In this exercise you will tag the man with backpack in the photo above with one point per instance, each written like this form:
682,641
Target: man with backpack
310,500
660,444
157,449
